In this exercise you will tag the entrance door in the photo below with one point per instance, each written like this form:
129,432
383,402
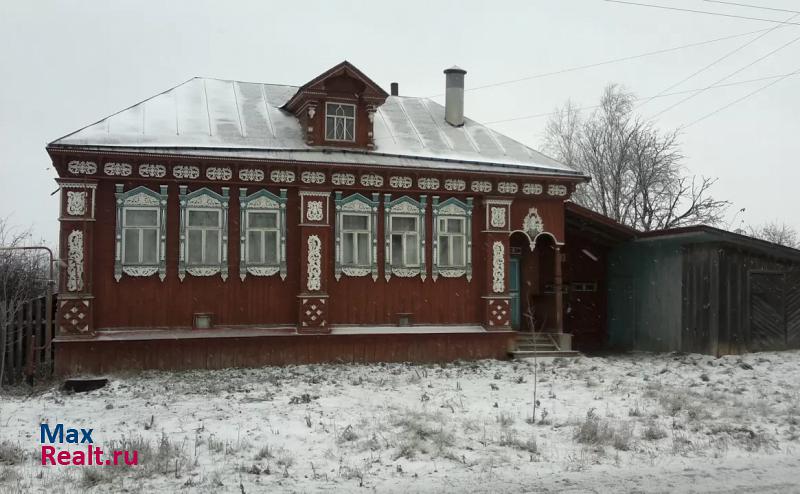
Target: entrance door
767,312
513,289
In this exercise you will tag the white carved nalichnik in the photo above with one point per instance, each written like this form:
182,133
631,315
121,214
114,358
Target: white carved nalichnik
75,261
498,268
314,281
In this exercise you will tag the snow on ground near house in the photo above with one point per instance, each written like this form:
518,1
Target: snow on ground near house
633,423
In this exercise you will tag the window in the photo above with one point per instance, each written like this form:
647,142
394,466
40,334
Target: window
140,236
451,242
204,233
140,232
263,235
356,244
452,238
405,241
405,237
340,122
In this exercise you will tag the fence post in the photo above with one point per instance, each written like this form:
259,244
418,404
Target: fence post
48,332
18,334
3,341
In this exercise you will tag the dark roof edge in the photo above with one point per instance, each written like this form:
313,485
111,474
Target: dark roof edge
605,221
725,236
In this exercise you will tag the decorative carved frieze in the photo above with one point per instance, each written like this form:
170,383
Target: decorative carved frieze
481,186
556,190
427,183
76,203
82,167
218,173
75,261
251,175
282,176
371,180
532,224
498,217
343,179
532,189
314,268
401,182
312,178
185,171
498,267
507,187
455,185
314,211
117,169
152,171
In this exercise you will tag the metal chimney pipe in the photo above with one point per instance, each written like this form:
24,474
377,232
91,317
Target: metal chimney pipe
395,89
454,96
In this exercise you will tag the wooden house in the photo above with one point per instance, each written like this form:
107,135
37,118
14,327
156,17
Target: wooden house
224,223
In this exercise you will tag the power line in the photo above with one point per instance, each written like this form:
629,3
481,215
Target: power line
718,60
664,7
606,62
727,76
751,93
665,95
753,6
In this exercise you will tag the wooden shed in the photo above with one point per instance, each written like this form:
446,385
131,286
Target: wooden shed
705,290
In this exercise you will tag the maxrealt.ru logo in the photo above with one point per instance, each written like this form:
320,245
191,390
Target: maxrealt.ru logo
56,443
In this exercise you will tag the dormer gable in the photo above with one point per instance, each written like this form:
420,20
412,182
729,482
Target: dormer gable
337,108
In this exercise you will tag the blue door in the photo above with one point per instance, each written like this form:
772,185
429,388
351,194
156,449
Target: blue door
513,289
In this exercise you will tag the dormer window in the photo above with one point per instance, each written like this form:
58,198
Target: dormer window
340,122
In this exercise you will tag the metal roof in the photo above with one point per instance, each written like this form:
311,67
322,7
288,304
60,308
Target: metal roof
240,119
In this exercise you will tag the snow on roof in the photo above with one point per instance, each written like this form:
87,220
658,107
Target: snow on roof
232,118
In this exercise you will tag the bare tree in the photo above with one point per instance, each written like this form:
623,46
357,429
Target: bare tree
635,169
778,233
23,276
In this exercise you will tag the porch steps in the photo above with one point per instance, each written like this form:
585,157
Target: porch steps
539,345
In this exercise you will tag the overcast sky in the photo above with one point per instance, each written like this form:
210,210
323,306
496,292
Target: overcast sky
66,64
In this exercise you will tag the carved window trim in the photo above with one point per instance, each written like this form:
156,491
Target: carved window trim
203,199
405,207
261,201
340,119
356,204
141,198
452,209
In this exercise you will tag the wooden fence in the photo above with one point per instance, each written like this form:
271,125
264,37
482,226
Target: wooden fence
26,349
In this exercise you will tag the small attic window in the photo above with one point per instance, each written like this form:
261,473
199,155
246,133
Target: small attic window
340,122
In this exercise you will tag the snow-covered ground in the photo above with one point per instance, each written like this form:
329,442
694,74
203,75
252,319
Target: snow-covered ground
635,423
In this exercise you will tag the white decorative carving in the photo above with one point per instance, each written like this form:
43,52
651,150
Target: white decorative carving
262,203
498,219
350,271
507,187
405,272
75,261
532,189
452,209
140,271
218,173
455,184
204,201
452,273
314,263
263,270
82,167
76,203
313,178
371,180
141,199
532,224
282,176
357,206
481,186
197,271
404,207
343,179
314,211
117,169
401,182
426,183
186,171
152,171
251,175
498,268
556,190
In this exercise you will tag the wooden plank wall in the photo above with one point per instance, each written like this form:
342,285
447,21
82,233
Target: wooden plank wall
25,349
